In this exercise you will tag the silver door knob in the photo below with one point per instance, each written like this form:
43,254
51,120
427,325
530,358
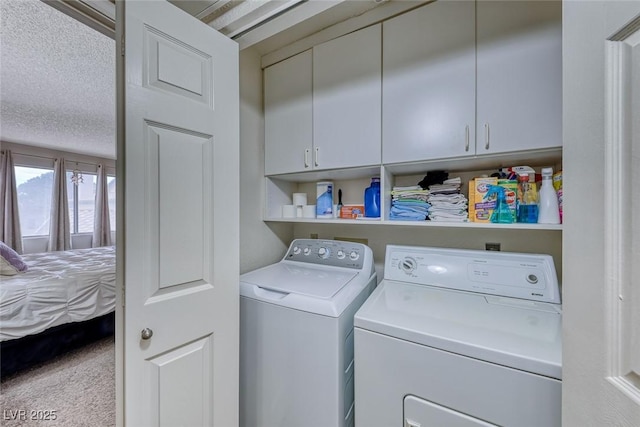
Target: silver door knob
146,333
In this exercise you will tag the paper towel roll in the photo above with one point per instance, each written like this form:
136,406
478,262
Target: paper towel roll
299,199
309,211
288,211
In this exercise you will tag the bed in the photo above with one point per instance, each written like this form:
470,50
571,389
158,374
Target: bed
63,300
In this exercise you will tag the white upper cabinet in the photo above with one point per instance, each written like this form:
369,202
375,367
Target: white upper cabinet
519,75
428,85
288,118
347,100
453,79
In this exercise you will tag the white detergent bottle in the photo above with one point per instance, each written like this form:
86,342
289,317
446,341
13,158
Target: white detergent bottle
548,212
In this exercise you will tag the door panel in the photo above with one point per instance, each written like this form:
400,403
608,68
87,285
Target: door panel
347,100
181,167
178,154
429,83
519,76
288,115
186,367
177,68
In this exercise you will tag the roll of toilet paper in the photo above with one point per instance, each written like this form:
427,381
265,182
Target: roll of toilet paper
298,211
309,211
288,211
299,199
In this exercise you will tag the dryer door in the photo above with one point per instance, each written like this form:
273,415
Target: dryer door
422,413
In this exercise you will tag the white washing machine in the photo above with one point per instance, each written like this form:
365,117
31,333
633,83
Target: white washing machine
460,338
296,335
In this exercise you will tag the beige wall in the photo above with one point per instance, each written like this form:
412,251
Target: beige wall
260,243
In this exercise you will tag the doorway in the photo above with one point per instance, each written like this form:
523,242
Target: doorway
77,387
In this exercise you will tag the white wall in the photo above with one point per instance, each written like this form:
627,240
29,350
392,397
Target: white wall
260,243
587,400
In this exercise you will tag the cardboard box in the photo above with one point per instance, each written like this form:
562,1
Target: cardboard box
511,193
480,210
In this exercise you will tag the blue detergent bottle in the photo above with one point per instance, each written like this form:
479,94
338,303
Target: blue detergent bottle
528,201
372,199
501,213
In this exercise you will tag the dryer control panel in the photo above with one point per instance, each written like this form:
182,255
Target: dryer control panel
336,253
508,274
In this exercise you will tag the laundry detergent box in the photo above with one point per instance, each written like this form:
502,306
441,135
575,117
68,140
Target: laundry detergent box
511,192
480,210
352,211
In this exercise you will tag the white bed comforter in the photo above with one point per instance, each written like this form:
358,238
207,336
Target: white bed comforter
58,288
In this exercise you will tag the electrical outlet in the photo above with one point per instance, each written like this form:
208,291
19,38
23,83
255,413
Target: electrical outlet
492,246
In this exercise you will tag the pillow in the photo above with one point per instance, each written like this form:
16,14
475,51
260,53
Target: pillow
10,262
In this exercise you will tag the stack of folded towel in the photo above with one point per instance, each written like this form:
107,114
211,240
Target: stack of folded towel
409,203
447,204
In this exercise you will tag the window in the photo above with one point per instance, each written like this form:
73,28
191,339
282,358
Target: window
34,187
81,199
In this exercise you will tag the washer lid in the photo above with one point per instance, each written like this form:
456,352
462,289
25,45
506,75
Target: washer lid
292,278
525,335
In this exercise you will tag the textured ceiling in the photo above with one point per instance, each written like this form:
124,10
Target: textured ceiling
57,80
57,75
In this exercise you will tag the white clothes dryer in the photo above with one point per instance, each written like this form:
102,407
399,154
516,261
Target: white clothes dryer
460,338
296,335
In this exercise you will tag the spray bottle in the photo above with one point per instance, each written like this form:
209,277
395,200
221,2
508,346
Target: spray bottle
501,213
527,204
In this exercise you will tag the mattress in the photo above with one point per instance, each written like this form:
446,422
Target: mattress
58,288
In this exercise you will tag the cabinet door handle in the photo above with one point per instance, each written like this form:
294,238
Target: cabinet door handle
316,162
486,136
466,138
306,158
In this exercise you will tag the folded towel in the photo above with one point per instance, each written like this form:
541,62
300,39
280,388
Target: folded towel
449,206
408,188
450,198
456,180
445,218
416,212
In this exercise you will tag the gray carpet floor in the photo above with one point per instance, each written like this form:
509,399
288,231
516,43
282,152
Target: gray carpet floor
79,386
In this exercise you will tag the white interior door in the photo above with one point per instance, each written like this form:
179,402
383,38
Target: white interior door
179,262
622,226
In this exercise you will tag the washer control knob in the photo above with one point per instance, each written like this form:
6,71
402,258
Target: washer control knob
296,250
340,254
408,265
306,251
353,255
324,253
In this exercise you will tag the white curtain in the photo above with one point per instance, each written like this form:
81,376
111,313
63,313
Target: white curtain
10,232
101,225
59,224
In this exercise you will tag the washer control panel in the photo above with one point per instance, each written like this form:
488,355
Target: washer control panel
328,252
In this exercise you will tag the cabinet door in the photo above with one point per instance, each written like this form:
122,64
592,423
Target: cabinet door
428,86
347,100
288,115
519,75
